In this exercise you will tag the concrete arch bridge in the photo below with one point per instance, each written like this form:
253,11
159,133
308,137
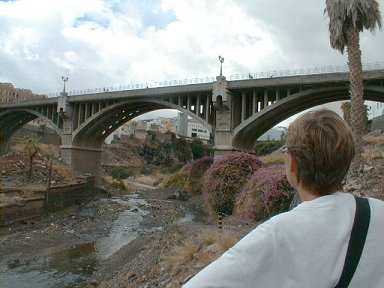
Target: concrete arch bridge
236,112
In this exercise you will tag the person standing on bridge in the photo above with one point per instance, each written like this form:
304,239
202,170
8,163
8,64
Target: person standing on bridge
307,246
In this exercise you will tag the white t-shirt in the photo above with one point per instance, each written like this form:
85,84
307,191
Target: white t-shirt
304,247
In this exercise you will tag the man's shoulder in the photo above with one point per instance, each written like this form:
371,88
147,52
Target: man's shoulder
377,205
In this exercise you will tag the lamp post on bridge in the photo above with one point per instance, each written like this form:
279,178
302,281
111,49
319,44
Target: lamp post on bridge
221,59
63,107
65,79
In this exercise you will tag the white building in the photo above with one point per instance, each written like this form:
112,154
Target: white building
189,127
138,128
375,109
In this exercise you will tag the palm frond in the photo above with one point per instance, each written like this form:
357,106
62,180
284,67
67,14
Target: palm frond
346,14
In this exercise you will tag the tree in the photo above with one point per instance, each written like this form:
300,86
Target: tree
43,127
347,18
346,109
32,148
198,149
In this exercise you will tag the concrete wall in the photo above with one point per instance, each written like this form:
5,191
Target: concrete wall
59,197
50,200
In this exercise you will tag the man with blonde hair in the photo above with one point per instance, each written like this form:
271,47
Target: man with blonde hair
320,243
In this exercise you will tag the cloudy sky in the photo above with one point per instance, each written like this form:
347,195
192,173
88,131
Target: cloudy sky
103,43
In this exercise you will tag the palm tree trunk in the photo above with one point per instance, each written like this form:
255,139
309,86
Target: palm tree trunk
356,91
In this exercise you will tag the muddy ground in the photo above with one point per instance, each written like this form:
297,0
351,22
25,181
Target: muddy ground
64,242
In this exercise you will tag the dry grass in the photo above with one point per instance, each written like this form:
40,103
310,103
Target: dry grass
46,150
272,158
227,239
181,255
374,139
65,172
210,237
19,147
152,180
188,258
201,249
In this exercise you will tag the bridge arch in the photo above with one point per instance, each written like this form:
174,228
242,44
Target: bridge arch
94,130
16,119
246,134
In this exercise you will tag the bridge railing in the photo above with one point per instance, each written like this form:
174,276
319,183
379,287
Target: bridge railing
138,86
257,75
304,71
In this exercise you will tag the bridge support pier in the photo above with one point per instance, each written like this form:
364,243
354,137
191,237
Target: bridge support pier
3,147
223,134
222,102
83,160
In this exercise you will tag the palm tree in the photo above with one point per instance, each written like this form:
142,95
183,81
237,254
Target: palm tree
347,18
32,148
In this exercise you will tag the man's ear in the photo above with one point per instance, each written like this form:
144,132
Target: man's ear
292,164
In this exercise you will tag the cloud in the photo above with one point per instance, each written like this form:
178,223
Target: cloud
99,43
300,31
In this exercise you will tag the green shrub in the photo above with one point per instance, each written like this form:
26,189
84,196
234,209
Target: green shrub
179,179
225,179
175,167
182,150
197,148
195,179
147,169
267,193
267,147
120,173
118,184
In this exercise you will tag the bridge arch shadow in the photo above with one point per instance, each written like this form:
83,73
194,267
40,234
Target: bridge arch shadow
16,119
96,129
246,134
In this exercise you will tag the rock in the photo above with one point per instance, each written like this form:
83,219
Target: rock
378,123
14,263
367,168
179,195
213,248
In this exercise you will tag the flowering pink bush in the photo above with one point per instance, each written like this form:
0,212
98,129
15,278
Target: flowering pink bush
195,178
225,179
267,193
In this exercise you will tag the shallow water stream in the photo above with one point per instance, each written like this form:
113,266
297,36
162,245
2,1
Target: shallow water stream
67,267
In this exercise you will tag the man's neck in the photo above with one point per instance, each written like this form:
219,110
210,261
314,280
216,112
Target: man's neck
306,195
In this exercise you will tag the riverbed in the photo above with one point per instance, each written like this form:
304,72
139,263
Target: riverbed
83,243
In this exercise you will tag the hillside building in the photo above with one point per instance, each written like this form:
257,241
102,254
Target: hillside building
8,93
